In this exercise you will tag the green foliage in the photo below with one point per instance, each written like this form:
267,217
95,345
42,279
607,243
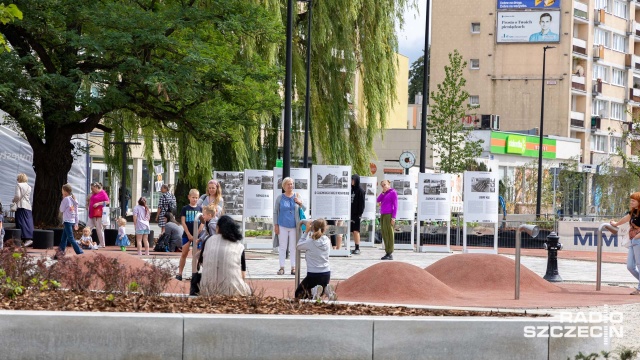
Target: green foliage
347,37
8,13
142,70
9,287
449,139
416,77
613,186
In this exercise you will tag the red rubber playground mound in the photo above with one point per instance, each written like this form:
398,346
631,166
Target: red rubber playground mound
486,272
394,282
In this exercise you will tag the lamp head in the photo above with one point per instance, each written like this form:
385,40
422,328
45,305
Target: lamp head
532,230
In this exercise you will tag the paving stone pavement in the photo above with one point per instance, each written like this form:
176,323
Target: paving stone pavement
263,264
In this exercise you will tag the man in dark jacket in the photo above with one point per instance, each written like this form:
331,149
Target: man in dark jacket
357,208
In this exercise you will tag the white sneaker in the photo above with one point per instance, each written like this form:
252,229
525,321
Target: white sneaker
331,294
316,293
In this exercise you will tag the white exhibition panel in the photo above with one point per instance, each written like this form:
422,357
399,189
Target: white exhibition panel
232,185
481,196
369,185
258,194
301,181
434,204
331,195
481,205
331,198
434,197
404,186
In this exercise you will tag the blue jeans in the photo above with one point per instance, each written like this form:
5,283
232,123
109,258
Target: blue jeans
633,260
67,235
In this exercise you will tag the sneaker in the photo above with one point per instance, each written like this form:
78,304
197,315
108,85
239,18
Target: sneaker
331,294
28,243
387,257
179,277
635,292
355,252
316,293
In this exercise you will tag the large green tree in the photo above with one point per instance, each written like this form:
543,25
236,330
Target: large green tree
448,137
167,67
8,13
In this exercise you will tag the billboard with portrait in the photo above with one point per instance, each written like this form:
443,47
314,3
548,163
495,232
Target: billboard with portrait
528,27
528,4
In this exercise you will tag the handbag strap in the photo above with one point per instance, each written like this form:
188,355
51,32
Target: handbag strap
22,193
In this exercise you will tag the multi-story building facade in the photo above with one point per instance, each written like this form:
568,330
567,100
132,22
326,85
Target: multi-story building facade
592,82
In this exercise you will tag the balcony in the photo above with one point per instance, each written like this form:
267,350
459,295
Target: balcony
632,62
598,52
580,12
597,88
578,83
595,123
579,47
634,95
577,119
636,28
598,16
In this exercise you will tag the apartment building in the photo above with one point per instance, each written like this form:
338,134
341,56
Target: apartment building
592,75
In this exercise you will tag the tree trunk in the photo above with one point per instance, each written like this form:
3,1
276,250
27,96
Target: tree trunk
52,162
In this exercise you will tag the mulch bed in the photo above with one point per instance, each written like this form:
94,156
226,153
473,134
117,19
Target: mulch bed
102,302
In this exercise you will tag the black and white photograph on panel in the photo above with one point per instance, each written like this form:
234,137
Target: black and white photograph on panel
232,187
300,184
254,180
328,181
266,182
483,185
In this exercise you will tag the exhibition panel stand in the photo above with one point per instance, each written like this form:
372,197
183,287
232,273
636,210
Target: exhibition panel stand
369,185
434,206
481,208
258,205
331,200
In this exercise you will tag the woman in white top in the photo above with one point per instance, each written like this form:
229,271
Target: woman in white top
223,262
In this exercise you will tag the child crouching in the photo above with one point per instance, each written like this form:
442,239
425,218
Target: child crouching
123,239
317,247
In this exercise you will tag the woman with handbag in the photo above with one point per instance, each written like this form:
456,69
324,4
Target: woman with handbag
98,200
24,216
633,257
286,215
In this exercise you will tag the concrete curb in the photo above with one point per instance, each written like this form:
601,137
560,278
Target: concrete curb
80,335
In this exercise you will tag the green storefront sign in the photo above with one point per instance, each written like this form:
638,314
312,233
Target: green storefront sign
524,145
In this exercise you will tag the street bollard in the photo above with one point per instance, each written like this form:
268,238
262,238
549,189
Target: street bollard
533,231
552,245
613,230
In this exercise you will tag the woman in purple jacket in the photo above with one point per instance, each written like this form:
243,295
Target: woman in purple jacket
388,200
69,210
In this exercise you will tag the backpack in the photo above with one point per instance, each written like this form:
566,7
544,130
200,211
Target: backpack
162,244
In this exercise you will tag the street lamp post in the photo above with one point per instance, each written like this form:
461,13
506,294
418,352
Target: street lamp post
286,143
307,100
539,193
425,95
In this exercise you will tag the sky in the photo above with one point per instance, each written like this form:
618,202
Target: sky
411,37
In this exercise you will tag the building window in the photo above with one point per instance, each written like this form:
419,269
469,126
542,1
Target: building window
619,43
602,37
475,28
618,77
615,143
620,9
617,111
597,142
599,108
475,64
602,4
601,72
474,100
